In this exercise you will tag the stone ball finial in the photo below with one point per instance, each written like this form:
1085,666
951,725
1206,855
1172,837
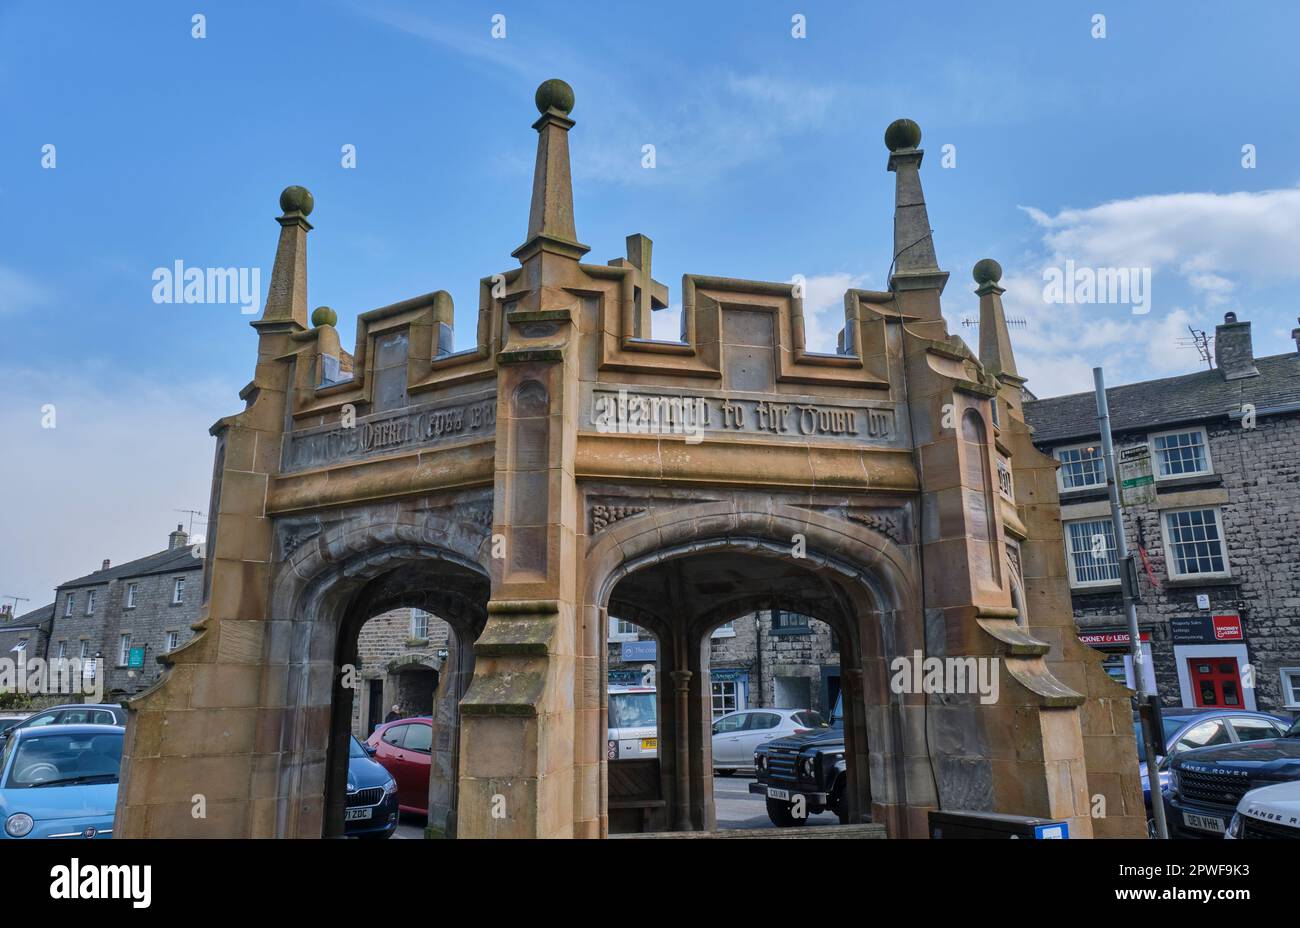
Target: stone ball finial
554,94
323,315
297,199
987,271
902,133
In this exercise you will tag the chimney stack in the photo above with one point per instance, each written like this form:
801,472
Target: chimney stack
1233,350
177,539
6,612
104,566
1295,333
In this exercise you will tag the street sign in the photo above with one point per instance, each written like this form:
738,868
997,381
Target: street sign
1137,486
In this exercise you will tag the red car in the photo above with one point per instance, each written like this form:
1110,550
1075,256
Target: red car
403,748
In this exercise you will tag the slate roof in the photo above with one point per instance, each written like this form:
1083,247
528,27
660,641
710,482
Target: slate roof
1157,403
164,562
37,617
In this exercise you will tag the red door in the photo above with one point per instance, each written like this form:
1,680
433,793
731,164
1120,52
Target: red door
1216,682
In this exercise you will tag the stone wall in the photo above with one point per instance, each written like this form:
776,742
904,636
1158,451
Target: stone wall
148,622
1256,484
409,667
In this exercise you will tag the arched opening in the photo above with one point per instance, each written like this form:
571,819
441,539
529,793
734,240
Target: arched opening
402,587
684,596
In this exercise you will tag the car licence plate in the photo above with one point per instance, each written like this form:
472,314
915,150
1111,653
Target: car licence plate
1203,822
774,793
649,744
353,815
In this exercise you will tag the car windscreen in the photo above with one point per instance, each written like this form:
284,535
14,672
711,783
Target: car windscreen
65,759
1294,730
837,714
355,749
632,710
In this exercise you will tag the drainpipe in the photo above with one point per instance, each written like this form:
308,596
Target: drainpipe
681,694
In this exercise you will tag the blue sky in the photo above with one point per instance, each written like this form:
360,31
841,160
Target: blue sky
1117,151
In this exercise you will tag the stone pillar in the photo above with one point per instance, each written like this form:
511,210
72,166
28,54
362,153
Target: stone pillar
682,743
522,766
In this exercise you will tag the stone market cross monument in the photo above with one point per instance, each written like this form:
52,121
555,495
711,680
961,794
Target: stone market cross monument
570,467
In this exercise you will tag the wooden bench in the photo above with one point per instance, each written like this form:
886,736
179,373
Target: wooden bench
633,795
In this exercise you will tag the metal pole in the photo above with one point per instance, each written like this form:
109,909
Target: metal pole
1127,578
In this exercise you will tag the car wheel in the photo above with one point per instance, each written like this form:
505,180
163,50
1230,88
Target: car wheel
779,812
725,773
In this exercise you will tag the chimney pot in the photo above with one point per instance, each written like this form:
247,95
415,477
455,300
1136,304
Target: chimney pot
105,565
1229,317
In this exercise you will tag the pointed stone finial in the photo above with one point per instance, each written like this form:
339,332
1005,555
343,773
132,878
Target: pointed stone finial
286,294
915,264
550,219
995,337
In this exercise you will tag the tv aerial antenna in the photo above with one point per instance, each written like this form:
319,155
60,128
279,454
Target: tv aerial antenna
1201,342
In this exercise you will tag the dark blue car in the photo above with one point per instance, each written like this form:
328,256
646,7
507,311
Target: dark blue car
1188,729
372,796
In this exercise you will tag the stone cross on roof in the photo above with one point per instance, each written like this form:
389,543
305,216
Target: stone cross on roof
648,299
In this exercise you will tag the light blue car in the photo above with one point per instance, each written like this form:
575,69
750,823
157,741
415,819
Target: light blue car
60,781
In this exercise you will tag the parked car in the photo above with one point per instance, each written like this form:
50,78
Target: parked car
738,734
633,723
1268,812
1188,729
404,748
8,720
810,765
1207,784
372,795
74,714
60,781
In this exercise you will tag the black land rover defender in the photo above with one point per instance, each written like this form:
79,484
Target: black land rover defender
810,766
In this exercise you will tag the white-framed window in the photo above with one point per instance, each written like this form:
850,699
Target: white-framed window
725,630
173,640
178,591
1082,466
21,649
124,650
1182,453
419,625
85,649
131,590
1194,543
1291,687
620,630
63,650
995,415
68,604
1090,552
725,697
90,602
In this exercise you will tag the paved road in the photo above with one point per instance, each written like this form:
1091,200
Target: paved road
737,808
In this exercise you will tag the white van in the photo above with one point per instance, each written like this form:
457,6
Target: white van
633,723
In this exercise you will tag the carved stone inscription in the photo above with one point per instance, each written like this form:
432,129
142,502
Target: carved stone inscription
416,426
632,412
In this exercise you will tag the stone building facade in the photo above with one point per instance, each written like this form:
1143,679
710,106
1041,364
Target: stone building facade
400,655
25,636
1216,542
149,603
769,658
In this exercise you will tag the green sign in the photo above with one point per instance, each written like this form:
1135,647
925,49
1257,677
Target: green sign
136,658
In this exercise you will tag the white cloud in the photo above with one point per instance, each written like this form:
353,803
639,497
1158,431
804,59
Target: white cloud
103,483
1205,237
